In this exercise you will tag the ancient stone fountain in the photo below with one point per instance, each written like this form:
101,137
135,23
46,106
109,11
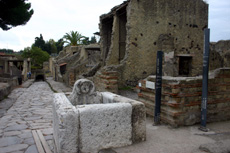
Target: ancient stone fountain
88,121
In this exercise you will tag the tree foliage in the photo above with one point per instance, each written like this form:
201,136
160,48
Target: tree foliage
53,47
7,51
49,46
93,40
73,38
59,45
14,13
37,55
40,43
86,40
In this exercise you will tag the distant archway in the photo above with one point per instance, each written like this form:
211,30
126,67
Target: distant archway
40,77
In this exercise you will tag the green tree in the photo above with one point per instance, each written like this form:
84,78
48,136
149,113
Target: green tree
93,40
40,42
59,45
53,46
14,13
44,45
73,38
7,51
37,55
49,46
86,41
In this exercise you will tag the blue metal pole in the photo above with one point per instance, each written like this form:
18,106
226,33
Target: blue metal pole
158,86
205,81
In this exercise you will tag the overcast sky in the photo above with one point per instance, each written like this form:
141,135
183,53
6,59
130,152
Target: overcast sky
54,18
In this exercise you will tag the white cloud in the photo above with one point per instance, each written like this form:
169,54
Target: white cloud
219,12
54,18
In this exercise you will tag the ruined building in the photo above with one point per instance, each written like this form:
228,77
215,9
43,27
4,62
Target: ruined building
219,54
12,72
10,67
74,61
133,32
131,35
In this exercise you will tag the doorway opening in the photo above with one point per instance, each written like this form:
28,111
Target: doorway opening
107,25
40,77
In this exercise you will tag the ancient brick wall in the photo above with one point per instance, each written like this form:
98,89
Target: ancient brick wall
181,98
106,80
173,26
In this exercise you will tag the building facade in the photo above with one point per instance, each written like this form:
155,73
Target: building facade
133,32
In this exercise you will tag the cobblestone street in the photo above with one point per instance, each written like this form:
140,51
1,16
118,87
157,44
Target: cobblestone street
31,111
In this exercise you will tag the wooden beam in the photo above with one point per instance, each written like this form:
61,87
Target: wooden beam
37,141
44,143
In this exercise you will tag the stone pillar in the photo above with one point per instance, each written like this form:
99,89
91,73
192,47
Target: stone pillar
25,70
6,66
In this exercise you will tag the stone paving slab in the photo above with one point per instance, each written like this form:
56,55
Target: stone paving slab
6,103
58,86
32,110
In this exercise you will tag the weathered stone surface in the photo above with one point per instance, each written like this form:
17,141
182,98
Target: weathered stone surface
115,122
48,137
16,127
47,131
12,133
4,90
7,141
25,135
29,141
84,93
12,148
138,115
65,124
105,126
32,149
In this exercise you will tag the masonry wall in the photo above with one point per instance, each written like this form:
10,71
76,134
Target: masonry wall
106,80
219,54
173,26
181,98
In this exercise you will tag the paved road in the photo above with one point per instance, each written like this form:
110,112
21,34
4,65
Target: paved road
32,110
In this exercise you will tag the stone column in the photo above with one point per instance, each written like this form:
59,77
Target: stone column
6,66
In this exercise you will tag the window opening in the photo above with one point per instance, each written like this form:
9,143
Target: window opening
185,65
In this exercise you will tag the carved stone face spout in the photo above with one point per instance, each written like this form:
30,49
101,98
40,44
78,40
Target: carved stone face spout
84,93
85,87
